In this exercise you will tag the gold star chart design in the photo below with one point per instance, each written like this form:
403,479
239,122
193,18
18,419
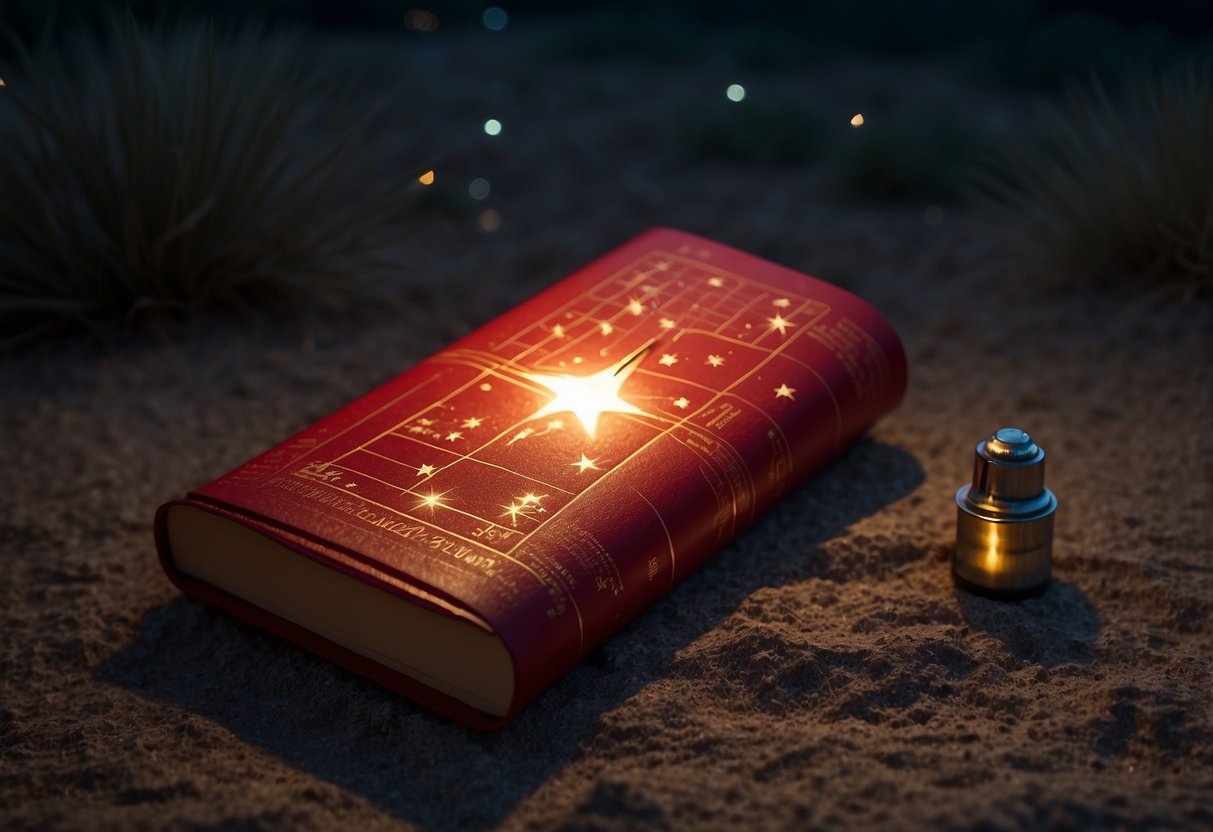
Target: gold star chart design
528,505
453,435
668,360
606,328
667,323
785,392
472,422
782,303
715,360
433,500
779,323
585,464
587,397
715,282
558,331
682,402
635,306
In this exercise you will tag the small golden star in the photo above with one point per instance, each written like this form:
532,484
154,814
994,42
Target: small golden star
782,303
715,360
585,464
432,501
472,422
635,306
780,324
453,435
512,511
785,392
426,422
558,331
425,470
682,402
606,328
667,323
668,360
416,429
715,282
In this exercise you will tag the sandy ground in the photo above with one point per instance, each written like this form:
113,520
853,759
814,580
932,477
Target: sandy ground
821,672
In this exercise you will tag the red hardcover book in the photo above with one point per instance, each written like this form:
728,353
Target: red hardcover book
468,531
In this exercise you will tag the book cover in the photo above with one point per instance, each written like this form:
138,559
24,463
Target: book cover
548,476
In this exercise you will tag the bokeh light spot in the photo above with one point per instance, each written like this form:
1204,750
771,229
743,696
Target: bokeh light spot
490,220
735,92
494,18
479,189
492,127
420,20
857,120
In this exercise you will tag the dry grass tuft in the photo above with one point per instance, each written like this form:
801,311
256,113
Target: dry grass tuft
163,169
1118,187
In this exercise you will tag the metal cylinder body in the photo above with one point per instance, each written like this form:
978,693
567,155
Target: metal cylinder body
1004,519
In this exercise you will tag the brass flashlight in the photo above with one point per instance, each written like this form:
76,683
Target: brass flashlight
1004,519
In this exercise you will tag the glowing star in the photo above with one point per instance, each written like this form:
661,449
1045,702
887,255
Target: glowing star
635,306
668,360
715,360
779,323
682,402
351,485
426,422
558,331
715,282
606,328
667,323
782,303
432,501
520,435
785,392
512,511
425,470
526,506
472,422
588,397
585,464
453,435
416,429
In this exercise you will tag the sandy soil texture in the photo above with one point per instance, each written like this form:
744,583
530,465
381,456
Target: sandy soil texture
821,672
